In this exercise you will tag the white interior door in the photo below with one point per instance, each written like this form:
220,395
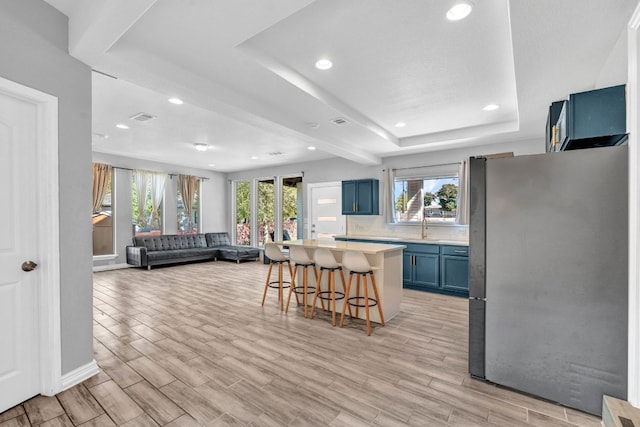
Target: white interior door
325,211
19,307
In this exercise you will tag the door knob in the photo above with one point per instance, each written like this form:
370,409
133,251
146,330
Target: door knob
29,266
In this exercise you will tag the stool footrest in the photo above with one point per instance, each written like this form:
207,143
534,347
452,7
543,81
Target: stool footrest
300,289
355,304
326,295
276,284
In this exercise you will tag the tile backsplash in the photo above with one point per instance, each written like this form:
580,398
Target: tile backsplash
374,225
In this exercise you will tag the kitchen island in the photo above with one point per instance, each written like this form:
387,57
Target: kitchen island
386,261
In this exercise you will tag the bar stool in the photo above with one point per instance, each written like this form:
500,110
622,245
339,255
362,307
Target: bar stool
326,261
357,264
299,256
275,255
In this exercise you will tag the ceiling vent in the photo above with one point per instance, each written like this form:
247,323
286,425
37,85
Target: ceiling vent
339,121
275,153
142,117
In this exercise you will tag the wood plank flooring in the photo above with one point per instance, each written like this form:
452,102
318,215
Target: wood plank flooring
191,345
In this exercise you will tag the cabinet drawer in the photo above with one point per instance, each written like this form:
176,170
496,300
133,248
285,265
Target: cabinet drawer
455,250
425,249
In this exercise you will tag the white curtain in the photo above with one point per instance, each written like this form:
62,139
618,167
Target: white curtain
462,213
387,196
157,192
142,179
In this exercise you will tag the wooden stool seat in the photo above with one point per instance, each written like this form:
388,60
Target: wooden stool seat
299,256
357,264
327,262
275,255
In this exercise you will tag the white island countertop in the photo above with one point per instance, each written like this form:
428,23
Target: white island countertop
340,246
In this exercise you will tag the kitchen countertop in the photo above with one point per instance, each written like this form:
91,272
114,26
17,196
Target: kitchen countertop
409,240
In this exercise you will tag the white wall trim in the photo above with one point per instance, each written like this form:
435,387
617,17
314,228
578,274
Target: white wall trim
633,127
108,257
108,267
79,374
48,231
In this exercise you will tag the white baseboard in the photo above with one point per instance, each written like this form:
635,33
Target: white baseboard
110,267
79,374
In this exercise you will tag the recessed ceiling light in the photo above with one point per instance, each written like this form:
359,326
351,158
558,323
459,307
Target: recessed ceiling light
323,64
311,147
122,126
254,157
460,10
491,107
212,165
176,101
201,146
400,124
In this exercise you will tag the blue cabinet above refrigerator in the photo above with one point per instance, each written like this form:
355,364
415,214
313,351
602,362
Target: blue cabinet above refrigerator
595,118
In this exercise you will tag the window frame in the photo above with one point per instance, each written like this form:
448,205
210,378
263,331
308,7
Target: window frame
112,197
444,171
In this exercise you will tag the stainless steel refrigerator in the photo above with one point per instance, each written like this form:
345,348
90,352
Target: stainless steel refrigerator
548,274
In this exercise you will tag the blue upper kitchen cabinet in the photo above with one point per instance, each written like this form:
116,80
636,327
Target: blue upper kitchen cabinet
595,118
360,197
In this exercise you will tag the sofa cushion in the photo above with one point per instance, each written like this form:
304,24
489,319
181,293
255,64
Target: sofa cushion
238,253
218,239
178,254
171,241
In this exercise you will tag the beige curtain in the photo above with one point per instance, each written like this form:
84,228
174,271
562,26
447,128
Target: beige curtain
101,177
462,210
188,186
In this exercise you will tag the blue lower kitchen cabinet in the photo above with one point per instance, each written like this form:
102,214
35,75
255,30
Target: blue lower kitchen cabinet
421,267
433,268
454,269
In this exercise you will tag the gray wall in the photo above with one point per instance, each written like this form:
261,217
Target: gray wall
339,169
212,201
33,48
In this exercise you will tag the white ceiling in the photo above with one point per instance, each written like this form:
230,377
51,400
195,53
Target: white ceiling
245,69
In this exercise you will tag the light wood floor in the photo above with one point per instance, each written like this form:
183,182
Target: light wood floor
190,345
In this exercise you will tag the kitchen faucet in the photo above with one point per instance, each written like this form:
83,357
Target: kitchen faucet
423,234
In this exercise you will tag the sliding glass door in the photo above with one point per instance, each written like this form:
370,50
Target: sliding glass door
267,210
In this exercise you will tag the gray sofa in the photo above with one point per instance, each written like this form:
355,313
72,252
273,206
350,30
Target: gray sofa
148,251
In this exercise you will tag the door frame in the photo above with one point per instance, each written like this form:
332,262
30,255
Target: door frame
633,128
309,214
48,231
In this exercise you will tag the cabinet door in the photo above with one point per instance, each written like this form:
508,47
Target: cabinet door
407,269
349,194
364,198
426,270
596,113
455,273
